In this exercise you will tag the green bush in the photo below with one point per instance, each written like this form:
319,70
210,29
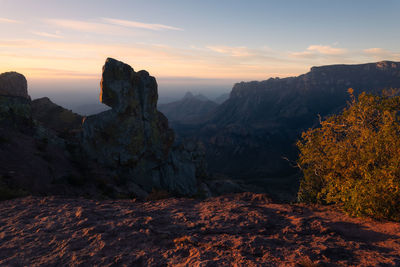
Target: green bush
353,159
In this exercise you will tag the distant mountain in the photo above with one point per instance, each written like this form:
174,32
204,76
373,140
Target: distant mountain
189,109
90,109
252,135
222,98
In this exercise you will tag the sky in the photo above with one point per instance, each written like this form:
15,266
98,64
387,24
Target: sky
189,45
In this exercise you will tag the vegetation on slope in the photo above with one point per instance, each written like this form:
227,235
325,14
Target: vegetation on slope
353,159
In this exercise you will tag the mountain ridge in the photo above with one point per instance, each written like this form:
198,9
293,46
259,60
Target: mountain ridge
252,134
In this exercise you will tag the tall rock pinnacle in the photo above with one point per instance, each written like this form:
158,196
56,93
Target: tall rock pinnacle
133,138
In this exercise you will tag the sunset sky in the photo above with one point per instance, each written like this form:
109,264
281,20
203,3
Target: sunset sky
191,43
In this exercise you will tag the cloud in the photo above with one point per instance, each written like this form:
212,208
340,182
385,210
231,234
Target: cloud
39,59
107,26
380,53
326,50
239,51
375,51
58,73
141,25
12,21
320,50
86,26
46,34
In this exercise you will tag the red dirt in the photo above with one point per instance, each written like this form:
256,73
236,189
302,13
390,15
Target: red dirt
241,230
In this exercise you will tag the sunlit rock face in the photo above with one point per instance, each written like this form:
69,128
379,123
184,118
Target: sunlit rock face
133,138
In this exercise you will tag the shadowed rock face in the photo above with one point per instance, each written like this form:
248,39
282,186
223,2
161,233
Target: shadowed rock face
55,117
133,138
15,108
13,84
33,158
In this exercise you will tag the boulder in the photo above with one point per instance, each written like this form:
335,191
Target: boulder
13,84
15,103
133,138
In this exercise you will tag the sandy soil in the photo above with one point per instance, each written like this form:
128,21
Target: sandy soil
241,229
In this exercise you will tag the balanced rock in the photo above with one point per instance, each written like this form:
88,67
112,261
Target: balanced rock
133,138
13,84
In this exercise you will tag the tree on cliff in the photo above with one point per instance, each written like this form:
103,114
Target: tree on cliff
353,159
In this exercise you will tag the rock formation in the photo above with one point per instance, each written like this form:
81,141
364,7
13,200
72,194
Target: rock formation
133,138
13,84
33,158
55,117
15,109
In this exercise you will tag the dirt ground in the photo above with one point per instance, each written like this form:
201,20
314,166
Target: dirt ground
238,229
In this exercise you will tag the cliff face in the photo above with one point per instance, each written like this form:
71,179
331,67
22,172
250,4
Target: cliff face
322,90
252,134
133,138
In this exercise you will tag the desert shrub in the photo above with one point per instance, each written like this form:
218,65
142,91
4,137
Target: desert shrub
353,159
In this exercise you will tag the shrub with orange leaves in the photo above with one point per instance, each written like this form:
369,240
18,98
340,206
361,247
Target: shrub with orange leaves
353,159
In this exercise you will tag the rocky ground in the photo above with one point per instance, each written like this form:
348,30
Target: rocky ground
239,229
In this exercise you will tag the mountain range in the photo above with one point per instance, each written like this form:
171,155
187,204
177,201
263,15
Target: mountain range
252,135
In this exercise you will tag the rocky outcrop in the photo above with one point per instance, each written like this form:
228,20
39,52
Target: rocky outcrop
13,84
15,108
133,138
55,117
33,158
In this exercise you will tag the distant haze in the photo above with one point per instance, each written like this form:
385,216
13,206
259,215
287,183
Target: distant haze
73,93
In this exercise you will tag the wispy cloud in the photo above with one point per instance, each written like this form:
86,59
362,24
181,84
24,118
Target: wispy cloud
52,58
141,25
12,21
106,26
85,26
326,50
158,59
46,34
380,53
239,51
376,51
320,50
